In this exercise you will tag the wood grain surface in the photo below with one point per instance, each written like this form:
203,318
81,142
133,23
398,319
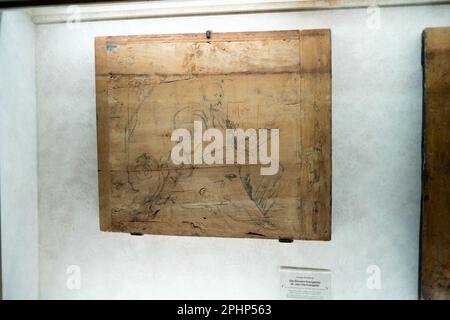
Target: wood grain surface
147,86
435,247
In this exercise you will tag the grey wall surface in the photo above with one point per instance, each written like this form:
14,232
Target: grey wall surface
18,157
377,109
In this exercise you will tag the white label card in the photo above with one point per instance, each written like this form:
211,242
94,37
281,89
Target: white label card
305,283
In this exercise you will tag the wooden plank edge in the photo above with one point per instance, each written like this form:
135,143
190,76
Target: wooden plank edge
307,74
102,113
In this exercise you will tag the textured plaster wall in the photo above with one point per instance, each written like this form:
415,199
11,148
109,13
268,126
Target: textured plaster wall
18,157
377,103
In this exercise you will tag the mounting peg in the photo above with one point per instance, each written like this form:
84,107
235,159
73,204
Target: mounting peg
208,34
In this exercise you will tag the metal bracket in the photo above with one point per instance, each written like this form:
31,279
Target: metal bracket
284,240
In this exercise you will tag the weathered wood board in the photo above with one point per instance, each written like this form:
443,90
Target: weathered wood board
435,247
147,86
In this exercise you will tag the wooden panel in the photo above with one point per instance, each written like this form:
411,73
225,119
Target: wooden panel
147,86
435,264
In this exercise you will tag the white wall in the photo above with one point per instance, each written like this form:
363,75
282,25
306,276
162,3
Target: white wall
18,157
377,103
